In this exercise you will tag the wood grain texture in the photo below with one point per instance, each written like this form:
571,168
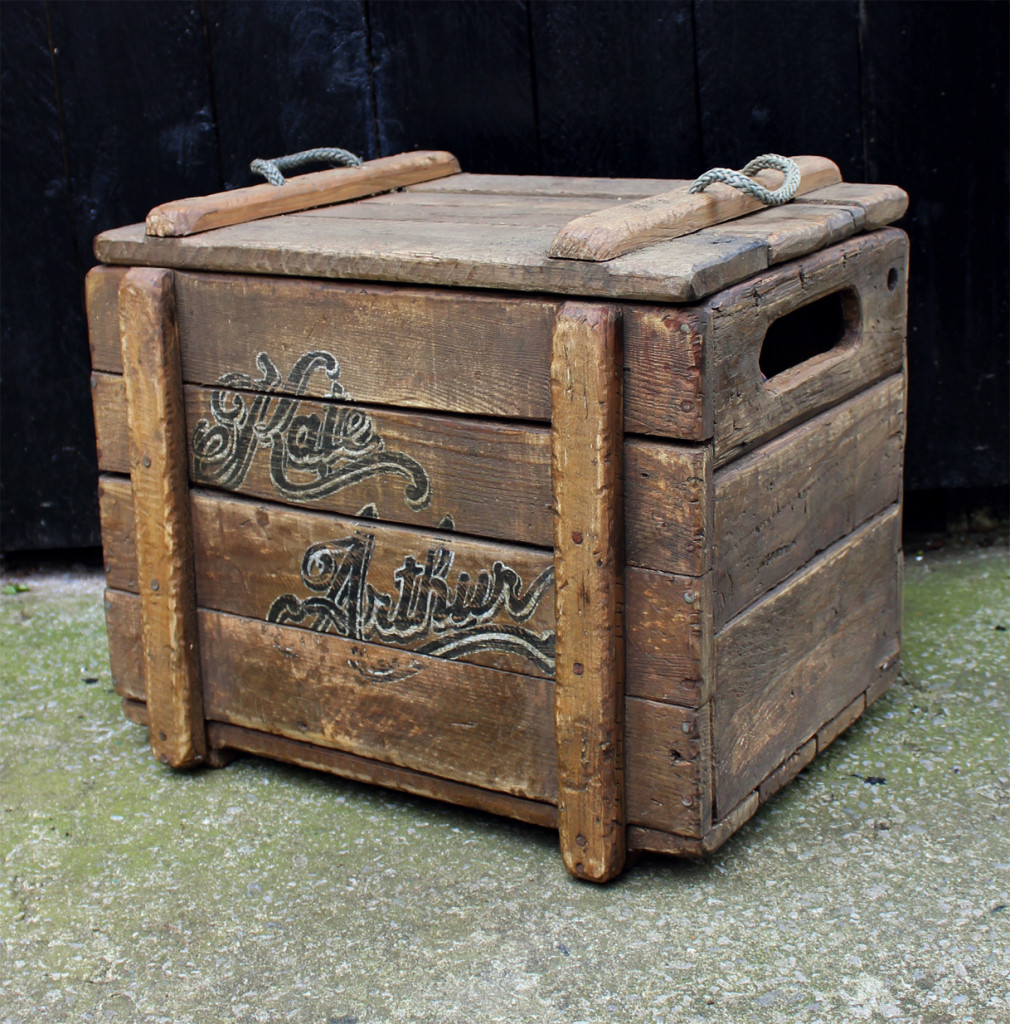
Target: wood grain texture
612,232
293,683
609,188
586,469
794,230
360,769
126,643
748,409
494,479
788,500
872,206
157,429
462,722
802,654
788,770
828,733
677,845
413,348
300,192
454,255
248,554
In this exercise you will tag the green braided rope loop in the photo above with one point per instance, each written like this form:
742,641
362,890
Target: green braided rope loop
273,170
744,179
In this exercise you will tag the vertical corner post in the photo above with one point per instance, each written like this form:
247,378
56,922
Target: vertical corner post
159,474
587,440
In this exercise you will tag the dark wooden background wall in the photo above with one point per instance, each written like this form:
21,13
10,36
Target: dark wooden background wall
111,108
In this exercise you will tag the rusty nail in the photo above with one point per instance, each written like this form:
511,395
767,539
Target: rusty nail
146,460
576,536
577,668
154,584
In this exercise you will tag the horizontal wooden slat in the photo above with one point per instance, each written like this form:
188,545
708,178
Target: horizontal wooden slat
748,409
492,478
547,185
784,502
462,208
414,348
872,206
249,554
227,740
513,258
802,654
462,722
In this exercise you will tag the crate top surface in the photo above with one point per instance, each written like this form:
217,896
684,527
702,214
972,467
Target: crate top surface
495,231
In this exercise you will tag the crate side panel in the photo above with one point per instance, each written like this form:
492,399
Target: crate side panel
777,507
793,661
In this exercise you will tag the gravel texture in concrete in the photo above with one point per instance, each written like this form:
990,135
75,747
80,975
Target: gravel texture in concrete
876,887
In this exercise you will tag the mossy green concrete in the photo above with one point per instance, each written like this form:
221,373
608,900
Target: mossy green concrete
266,893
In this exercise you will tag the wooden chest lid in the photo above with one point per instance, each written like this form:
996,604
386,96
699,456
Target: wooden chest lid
496,231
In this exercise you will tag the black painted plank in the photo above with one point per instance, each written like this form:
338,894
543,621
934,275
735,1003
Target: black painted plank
782,78
455,76
289,76
616,88
937,99
138,113
48,489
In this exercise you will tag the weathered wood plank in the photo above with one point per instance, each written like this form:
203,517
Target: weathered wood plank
361,769
547,185
462,722
247,555
681,270
126,644
792,231
747,408
872,206
461,208
414,348
157,430
337,185
788,770
305,686
617,230
587,444
794,660
685,846
784,502
492,478
827,734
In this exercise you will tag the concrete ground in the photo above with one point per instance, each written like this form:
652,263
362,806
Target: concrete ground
876,887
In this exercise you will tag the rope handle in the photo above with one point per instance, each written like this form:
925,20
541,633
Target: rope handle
273,170
744,179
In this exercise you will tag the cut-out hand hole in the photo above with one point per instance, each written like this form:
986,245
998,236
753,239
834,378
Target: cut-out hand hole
809,331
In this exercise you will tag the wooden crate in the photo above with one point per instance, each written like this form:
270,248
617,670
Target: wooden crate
612,547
